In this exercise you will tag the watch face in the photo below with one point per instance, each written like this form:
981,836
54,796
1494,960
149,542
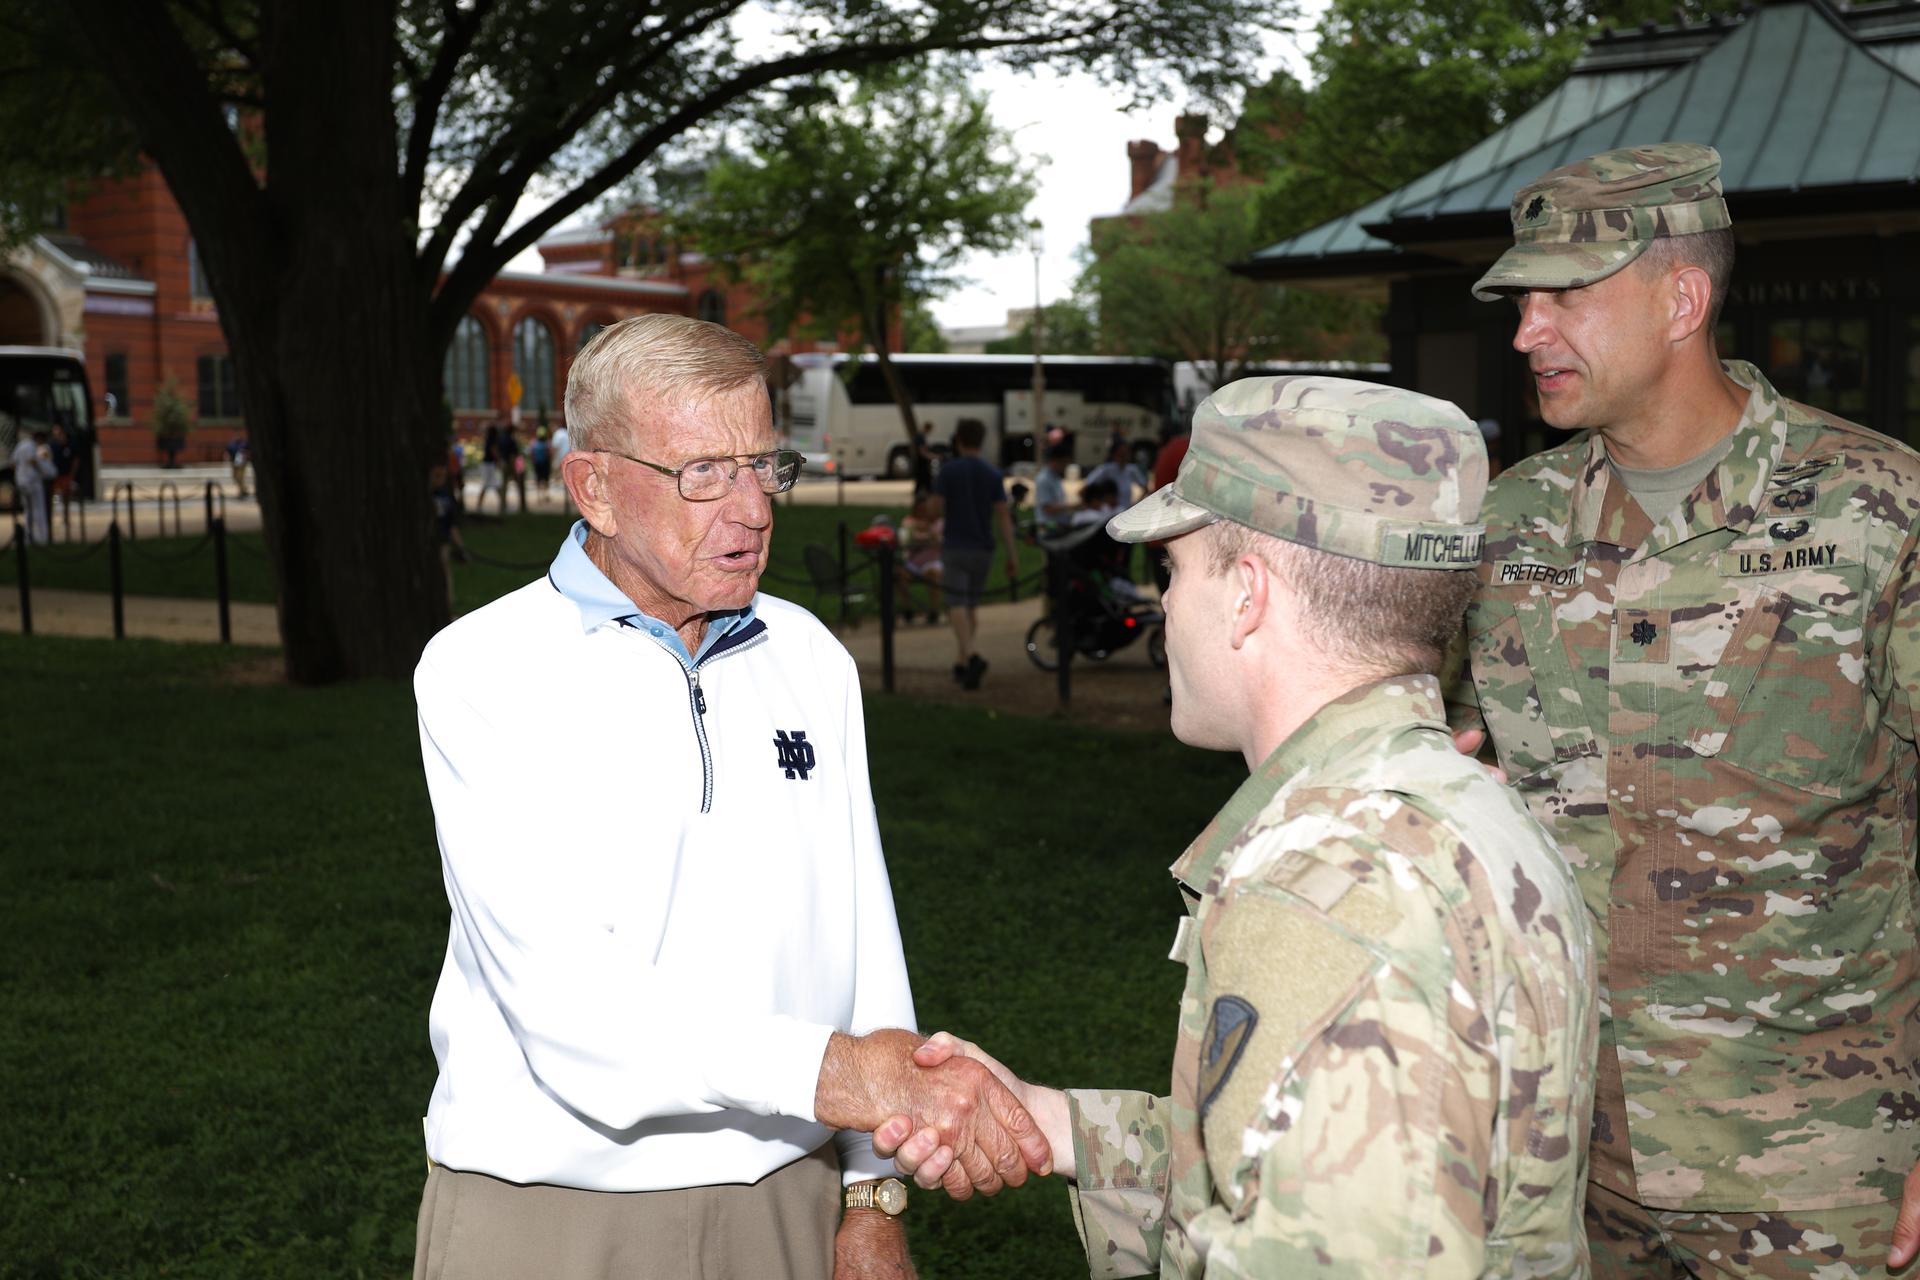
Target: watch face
891,1196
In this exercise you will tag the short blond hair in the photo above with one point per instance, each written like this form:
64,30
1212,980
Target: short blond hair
652,356
1371,619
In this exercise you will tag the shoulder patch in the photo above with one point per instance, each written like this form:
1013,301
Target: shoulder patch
1229,1027
1280,971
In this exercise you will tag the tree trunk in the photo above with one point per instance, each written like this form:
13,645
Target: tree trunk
345,430
876,334
312,266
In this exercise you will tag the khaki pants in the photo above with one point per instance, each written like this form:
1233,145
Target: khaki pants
473,1227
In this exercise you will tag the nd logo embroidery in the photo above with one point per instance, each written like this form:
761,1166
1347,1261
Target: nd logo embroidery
796,753
1229,1027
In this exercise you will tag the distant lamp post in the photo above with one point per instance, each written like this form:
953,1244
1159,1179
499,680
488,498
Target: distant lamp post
1039,329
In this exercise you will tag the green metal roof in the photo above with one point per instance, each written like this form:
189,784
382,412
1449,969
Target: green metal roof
1799,97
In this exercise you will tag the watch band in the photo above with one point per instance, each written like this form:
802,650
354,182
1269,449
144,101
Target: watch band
888,1195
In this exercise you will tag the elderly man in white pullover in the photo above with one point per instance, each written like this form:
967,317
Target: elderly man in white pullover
673,994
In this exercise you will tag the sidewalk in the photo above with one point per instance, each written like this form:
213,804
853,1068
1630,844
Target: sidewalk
90,614
1123,692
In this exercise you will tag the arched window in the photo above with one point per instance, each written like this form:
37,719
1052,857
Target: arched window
197,283
533,361
586,334
463,379
713,306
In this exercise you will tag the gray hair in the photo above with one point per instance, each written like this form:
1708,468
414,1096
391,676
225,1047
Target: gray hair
665,356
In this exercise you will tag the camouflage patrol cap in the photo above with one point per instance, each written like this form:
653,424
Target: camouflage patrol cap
1582,222
1354,468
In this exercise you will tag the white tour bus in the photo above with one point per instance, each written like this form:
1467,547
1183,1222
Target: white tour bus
849,425
41,388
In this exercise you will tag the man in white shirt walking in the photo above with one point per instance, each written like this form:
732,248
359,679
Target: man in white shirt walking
32,468
671,995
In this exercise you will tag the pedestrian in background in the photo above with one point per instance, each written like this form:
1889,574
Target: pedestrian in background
32,468
971,497
540,455
490,475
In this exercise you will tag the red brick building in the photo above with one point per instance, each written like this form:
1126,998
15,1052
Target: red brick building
121,281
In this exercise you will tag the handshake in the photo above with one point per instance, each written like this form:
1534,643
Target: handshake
949,1115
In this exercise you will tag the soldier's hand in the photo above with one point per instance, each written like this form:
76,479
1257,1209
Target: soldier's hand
919,1153
866,1081
1906,1227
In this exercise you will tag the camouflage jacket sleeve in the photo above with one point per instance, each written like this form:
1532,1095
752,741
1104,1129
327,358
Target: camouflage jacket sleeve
1122,1153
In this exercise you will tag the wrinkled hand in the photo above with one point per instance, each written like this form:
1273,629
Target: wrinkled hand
867,1080
871,1246
918,1151
1906,1227
1468,743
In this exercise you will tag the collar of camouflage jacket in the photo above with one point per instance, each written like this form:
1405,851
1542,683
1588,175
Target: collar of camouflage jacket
1341,728
1730,497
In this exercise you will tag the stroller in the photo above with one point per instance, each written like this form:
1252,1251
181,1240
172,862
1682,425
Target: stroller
1105,618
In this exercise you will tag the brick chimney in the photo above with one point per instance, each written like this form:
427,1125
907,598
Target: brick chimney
1145,156
1191,130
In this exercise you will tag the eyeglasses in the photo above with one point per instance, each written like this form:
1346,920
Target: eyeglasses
706,479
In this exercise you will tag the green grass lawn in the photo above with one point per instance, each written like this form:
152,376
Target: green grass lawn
507,554
225,920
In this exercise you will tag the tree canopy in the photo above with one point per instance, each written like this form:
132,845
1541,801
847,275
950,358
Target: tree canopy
1166,288
1067,328
1399,88
850,203
355,174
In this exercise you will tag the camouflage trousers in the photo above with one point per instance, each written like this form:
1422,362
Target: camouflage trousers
1630,1240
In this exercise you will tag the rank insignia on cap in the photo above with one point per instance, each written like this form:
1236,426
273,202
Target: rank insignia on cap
1229,1027
1535,207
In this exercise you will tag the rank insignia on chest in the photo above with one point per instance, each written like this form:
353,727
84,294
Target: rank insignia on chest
795,754
1229,1027
1640,635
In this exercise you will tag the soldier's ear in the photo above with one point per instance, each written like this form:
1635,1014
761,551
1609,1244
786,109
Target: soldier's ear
1692,297
1252,605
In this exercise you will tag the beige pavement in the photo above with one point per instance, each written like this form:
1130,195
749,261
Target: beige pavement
90,614
1124,691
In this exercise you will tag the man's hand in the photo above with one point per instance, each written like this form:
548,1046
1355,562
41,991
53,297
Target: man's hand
1468,743
919,1153
1906,1227
868,1079
871,1246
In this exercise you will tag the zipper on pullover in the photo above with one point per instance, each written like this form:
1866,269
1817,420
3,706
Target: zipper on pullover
697,700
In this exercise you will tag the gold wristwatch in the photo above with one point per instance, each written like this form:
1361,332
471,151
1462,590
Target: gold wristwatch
889,1196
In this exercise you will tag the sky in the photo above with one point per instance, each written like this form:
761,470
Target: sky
1081,128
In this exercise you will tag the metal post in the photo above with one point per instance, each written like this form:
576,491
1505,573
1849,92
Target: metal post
1038,329
843,574
1062,624
26,592
217,525
119,589
886,616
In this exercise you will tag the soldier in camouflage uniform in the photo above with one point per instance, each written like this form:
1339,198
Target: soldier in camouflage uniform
1697,649
1383,1066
